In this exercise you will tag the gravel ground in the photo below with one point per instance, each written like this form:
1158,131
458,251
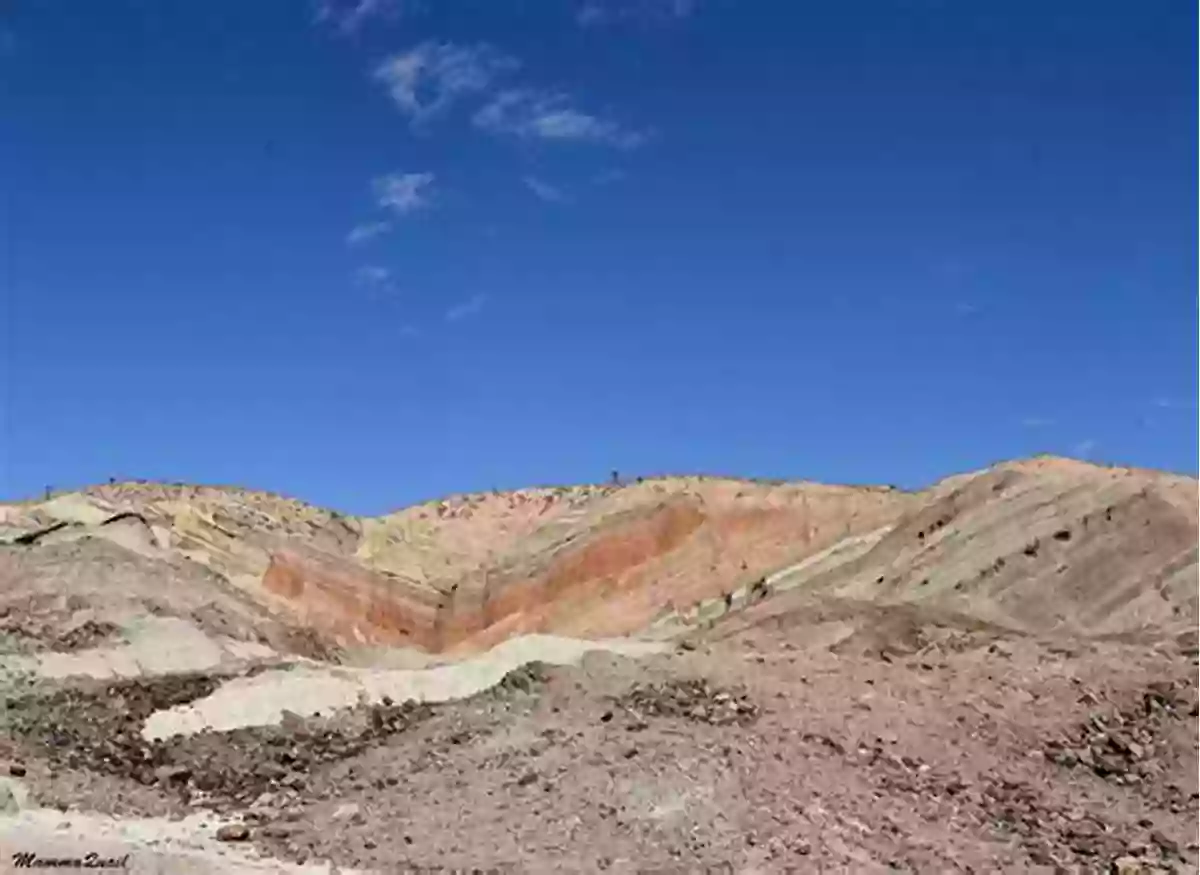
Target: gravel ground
263,699
749,755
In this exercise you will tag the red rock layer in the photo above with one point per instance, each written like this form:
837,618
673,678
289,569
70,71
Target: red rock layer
612,581
349,603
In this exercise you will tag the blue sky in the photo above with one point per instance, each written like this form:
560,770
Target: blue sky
374,251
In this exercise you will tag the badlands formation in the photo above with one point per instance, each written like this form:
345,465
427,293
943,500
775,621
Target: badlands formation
680,674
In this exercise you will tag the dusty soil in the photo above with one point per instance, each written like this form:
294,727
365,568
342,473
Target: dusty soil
750,754
23,633
998,673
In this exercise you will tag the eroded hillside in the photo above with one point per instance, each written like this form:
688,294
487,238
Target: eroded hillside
1038,544
994,674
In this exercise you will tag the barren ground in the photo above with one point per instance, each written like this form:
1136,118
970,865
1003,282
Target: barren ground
857,714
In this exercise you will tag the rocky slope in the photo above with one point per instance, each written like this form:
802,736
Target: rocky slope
466,572
977,751
1032,544
994,674
1044,545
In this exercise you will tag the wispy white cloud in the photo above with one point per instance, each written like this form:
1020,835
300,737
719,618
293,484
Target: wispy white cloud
367,231
594,13
1085,448
350,15
409,331
403,193
471,307
1036,422
529,113
427,79
376,280
372,275
545,191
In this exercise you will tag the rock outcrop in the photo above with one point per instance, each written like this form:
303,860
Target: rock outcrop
1042,543
351,604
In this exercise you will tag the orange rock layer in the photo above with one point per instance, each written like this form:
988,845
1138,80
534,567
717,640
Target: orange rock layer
349,603
614,579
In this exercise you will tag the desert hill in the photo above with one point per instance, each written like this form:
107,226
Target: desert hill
1036,544
996,673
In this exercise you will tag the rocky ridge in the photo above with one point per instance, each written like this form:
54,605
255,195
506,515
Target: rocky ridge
1026,544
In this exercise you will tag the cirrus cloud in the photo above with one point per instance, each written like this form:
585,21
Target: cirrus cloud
428,78
348,16
376,280
530,113
594,13
403,193
372,275
544,191
367,231
471,307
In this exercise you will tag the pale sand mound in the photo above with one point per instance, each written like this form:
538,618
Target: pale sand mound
261,700
156,645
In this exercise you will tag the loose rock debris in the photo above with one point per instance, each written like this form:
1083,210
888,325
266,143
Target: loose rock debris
233,832
28,633
694,700
828,783
1131,746
528,678
100,730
